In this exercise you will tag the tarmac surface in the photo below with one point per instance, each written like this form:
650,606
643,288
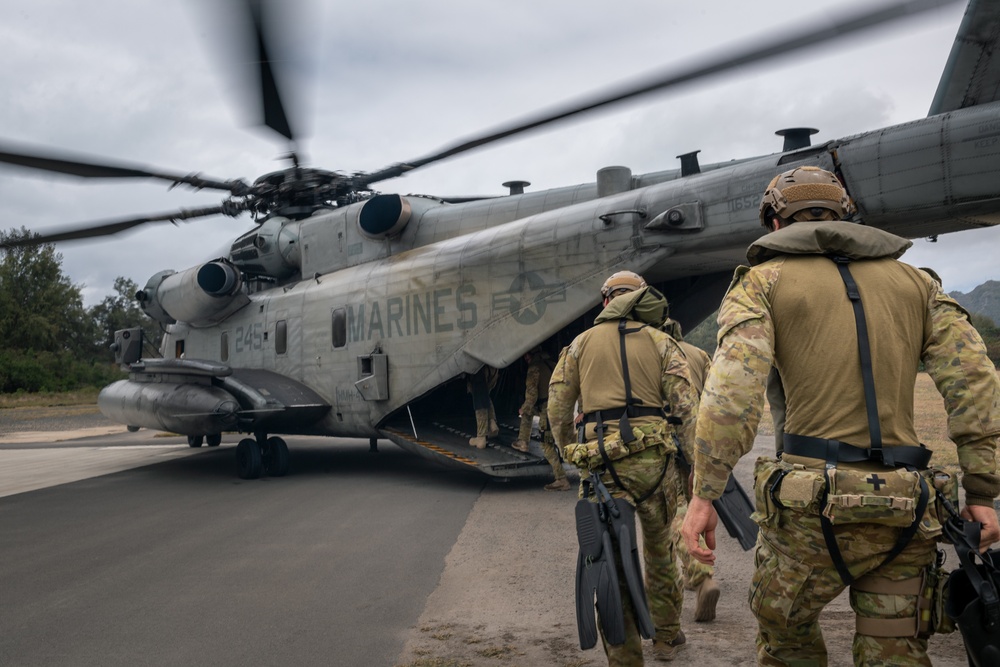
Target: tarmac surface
125,549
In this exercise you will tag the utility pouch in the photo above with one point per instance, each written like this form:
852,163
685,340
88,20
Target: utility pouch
779,485
888,496
800,489
587,455
765,471
934,597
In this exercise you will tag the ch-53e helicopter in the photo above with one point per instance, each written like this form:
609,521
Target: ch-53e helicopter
348,312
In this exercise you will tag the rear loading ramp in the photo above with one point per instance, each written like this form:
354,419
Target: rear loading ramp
446,441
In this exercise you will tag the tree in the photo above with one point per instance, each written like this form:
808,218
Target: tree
121,311
48,336
40,308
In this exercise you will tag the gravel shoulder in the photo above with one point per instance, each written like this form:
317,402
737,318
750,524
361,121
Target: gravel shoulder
506,594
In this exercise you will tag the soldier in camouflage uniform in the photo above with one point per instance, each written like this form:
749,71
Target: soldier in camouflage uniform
480,384
536,402
791,310
590,369
698,576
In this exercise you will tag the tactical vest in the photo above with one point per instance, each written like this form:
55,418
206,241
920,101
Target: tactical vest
816,350
601,381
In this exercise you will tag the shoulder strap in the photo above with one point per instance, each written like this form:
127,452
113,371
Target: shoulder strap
865,352
877,452
624,427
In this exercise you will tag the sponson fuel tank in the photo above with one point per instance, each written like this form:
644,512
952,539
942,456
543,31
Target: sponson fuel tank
178,396
200,296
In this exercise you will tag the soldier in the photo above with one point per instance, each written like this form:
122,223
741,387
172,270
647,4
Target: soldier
698,576
642,470
536,401
821,301
480,385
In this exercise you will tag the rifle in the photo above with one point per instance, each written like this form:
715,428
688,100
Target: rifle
973,590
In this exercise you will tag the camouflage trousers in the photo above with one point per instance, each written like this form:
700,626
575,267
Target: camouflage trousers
693,570
639,473
549,449
795,579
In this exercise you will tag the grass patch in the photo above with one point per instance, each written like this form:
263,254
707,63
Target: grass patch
81,397
494,651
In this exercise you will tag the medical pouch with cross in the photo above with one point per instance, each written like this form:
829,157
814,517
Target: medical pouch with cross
872,494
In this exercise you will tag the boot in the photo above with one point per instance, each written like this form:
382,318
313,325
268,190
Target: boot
520,445
482,424
708,597
561,484
494,429
667,651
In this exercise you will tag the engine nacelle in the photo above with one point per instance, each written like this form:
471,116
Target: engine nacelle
384,216
272,249
201,296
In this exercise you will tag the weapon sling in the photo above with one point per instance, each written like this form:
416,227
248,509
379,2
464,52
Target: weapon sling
876,453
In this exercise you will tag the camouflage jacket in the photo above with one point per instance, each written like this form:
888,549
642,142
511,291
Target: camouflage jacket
752,326
663,379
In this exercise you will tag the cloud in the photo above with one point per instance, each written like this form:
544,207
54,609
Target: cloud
383,82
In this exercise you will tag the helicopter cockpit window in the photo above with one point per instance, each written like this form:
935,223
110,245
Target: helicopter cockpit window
224,351
280,337
339,327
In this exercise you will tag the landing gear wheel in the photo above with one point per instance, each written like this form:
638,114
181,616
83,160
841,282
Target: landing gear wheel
248,459
213,440
276,460
195,440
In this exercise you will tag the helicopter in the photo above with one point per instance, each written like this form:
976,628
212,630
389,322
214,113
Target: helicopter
347,312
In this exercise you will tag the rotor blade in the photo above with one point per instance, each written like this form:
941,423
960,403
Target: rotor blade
61,165
274,111
782,41
109,228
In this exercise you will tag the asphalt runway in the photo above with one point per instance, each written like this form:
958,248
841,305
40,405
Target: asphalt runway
182,562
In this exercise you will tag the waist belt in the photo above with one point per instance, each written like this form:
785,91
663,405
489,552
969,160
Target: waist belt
820,448
616,413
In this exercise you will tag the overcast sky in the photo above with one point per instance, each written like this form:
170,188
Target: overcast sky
144,81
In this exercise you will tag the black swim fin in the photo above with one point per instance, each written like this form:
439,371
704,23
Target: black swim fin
596,577
734,509
624,527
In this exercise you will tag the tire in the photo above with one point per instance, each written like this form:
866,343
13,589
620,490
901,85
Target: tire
248,460
213,440
277,458
195,440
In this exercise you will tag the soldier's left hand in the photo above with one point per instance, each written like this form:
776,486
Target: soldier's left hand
987,516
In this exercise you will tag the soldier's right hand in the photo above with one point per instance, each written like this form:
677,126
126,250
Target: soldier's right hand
701,519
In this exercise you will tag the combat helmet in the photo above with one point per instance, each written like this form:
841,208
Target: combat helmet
621,282
809,191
